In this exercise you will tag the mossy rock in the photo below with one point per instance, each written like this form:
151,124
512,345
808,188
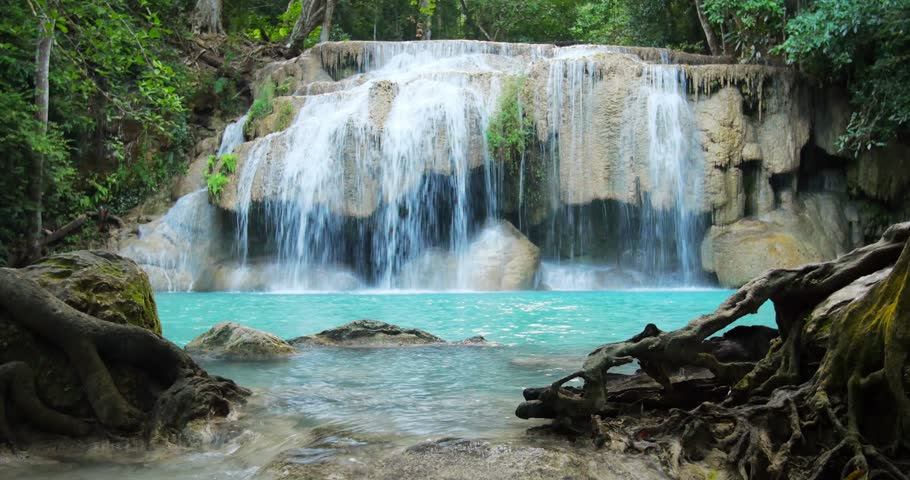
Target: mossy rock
282,114
232,341
101,284
104,285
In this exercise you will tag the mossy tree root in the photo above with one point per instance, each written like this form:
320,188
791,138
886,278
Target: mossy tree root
89,344
783,417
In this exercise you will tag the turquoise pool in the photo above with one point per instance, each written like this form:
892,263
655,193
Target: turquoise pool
436,390
398,395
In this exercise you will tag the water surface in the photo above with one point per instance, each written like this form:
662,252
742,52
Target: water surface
400,395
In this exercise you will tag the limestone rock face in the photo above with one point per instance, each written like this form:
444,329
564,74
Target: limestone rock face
883,174
101,284
499,258
820,227
232,341
831,117
722,124
368,333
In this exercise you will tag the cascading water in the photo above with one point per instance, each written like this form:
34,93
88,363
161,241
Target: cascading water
669,230
176,250
232,136
382,168
644,214
384,177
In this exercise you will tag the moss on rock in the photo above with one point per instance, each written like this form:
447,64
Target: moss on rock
101,284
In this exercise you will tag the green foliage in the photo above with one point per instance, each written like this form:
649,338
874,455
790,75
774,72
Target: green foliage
285,116
868,43
509,132
118,112
648,23
749,27
259,27
229,161
509,136
263,104
216,183
217,177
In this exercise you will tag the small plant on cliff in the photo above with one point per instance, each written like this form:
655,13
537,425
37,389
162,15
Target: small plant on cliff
508,134
220,168
285,116
509,137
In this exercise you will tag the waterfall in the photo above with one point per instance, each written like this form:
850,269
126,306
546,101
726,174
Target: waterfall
625,170
384,176
382,168
232,136
176,249
668,227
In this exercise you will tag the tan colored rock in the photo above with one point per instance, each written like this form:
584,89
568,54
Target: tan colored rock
501,258
819,227
292,76
746,249
785,125
382,96
882,173
751,151
232,341
722,124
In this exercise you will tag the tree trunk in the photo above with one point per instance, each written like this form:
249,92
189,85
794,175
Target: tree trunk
326,33
311,15
207,17
713,44
42,98
470,20
424,31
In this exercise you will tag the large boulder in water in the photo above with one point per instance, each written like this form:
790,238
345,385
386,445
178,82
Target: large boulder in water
101,284
815,228
499,258
368,333
233,341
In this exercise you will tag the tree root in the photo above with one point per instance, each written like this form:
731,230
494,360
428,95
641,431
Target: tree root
90,344
783,417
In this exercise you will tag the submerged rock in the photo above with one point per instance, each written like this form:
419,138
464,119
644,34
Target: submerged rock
478,340
233,341
101,284
458,458
368,333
